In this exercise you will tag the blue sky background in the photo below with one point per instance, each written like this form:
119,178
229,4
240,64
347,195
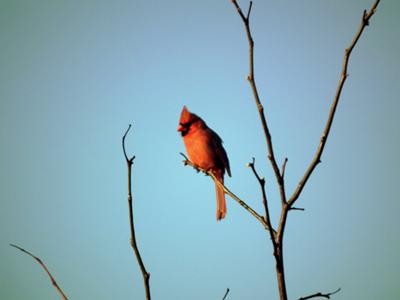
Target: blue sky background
74,74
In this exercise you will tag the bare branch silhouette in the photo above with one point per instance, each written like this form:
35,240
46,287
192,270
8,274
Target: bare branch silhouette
287,205
317,157
53,281
260,108
261,181
146,275
327,295
297,208
284,167
226,294
187,161
276,242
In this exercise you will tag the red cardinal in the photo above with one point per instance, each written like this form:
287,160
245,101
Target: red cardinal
205,150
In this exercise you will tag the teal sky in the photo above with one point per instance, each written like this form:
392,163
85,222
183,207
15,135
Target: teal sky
74,74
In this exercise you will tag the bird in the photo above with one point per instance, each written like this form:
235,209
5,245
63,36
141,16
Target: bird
204,148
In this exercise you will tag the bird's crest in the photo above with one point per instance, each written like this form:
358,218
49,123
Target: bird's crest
187,117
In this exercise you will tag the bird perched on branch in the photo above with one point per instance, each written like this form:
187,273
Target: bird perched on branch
205,150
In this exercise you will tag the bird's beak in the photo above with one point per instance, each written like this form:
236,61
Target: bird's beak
180,128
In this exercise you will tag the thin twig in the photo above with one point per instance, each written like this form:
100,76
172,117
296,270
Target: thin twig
252,81
282,181
276,242
187,161
287,205
261,181
53,281
284,167
327,295
317,157
296,208
226,294
146,275
123,146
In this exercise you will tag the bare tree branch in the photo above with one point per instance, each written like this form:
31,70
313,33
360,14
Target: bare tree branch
261,181
276,242
296,208
317,157
187,161
146,275
287,205
226,294
128,160
53,281
327,295
252,81
284,167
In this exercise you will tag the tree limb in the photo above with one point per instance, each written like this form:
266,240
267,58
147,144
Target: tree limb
317,157
277,241
187,161
252,81
53,281
287,205
327,295
261,181
145,274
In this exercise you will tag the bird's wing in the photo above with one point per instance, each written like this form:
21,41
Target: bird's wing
220,151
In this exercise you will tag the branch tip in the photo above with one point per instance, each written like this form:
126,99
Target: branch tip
297,208
145,274
249,11
184,156
128,160
53,281
283,169
226,294
365,17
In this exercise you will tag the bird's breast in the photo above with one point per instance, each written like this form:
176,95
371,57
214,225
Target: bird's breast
200,149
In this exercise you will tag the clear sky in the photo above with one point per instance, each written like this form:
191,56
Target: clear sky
74,74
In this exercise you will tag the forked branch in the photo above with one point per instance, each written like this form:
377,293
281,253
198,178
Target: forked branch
145,274
287,205
324,136
260,108
261,181
41,263
187,161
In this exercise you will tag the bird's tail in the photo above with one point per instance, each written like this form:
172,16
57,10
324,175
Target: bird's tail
221,203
